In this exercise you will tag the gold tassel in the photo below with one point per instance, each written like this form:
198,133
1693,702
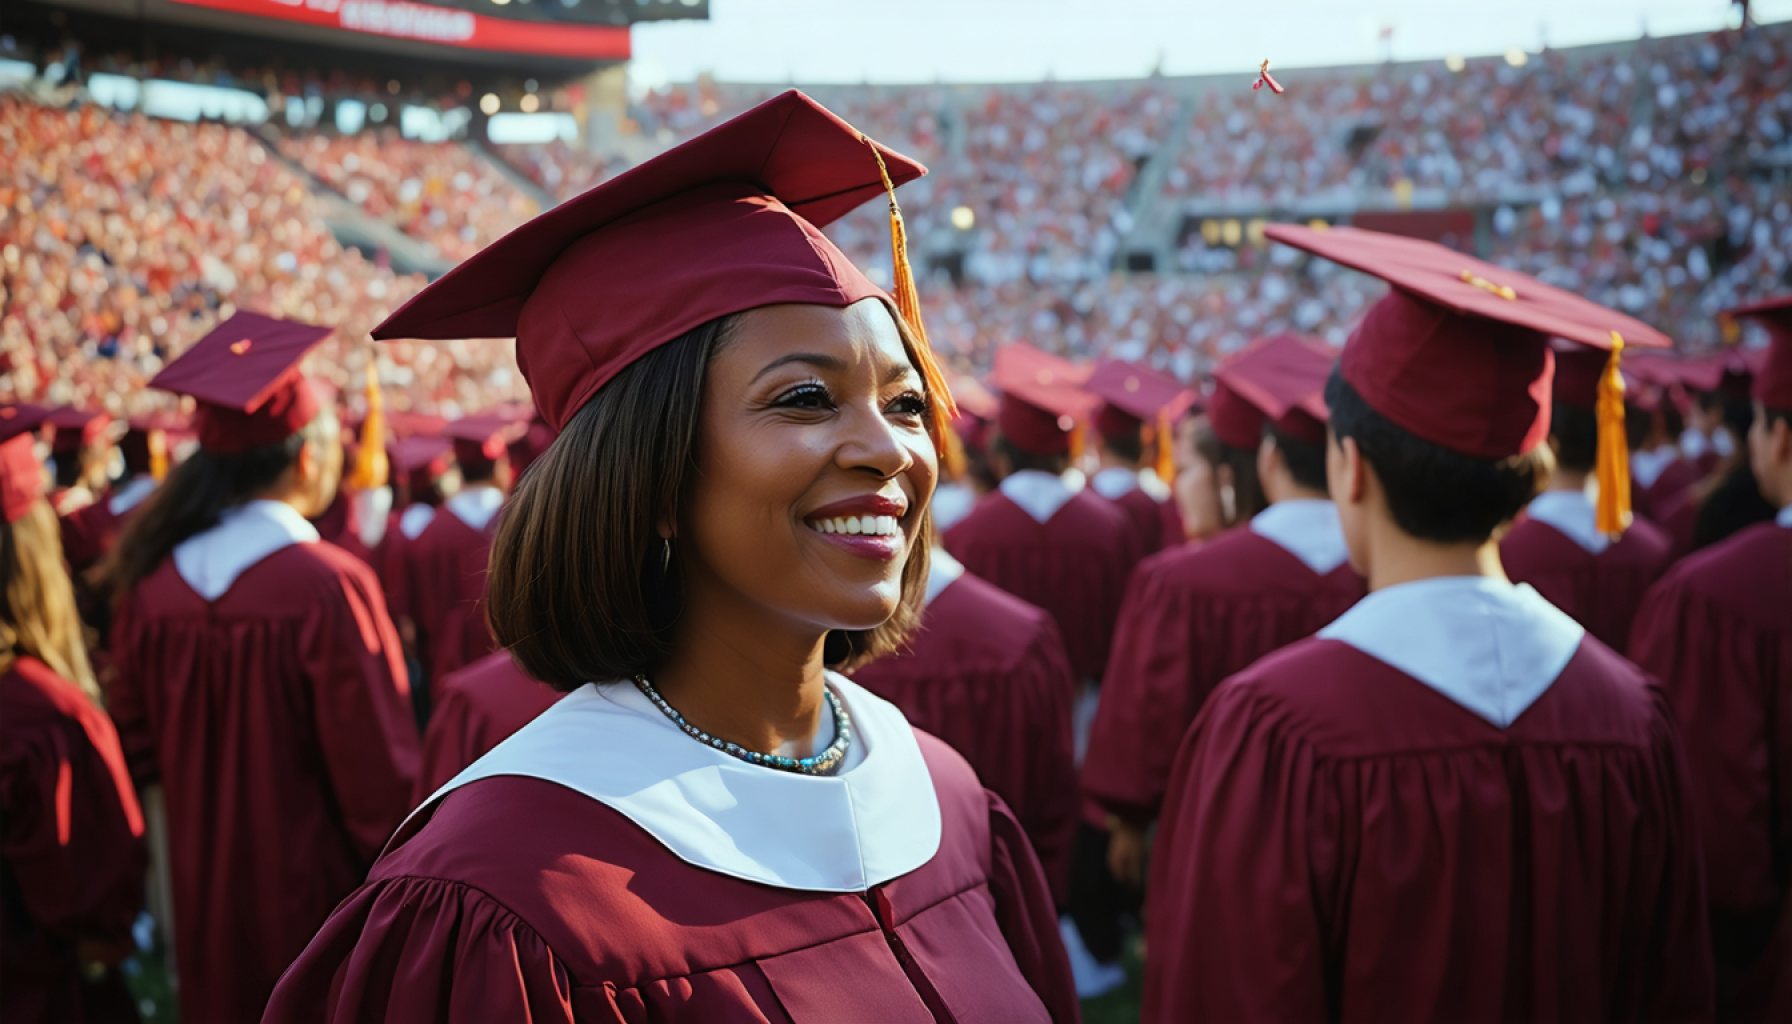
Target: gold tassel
1165,466
370,469
952,457
908,304
158,455
1077,442
1612,468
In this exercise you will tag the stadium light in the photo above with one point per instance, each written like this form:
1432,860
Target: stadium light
964,218
499,3
531,103
489,104
1455,63
1516,57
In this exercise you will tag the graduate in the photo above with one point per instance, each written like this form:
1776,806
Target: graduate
1042,536
1452,803
1216,483
90,533
1659,473
481,705
258,679
72,856
421,466
1717,632
1134,441
1597,578
445,566
1199,613
81,450
711,824
987,673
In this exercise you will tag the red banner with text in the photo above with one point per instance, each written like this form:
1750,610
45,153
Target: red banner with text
442,26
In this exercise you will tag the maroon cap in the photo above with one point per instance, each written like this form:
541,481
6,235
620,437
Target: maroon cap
724,223
1773,376
1236,422
76,428
1283,377
1458,350
21,473
245,377
420,460
483,437
1131,394
1042,399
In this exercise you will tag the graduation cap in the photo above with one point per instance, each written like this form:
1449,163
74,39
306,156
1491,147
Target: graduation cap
420,460
245,377
482,437
1773,376
21,472
76,429
1458,351
724,223
1283,378
1140,402
1042,399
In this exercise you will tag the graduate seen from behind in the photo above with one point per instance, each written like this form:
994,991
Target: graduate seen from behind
712,824
1452,803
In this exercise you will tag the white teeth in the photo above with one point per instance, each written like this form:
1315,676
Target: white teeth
873,526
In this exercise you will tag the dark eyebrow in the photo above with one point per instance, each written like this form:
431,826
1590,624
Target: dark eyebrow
896,372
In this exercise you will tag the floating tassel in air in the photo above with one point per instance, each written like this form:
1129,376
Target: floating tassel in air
1612,468
370,471
1265,78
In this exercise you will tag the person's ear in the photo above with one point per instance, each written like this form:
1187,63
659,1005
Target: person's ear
1269,456
308,466
1356,471
1779,441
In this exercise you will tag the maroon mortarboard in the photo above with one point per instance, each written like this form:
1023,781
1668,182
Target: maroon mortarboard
1773,377
245,377
1284,378
403,423
1132,395
1236,422
76,428
724,223
420,460
1042,399
483,437
21,472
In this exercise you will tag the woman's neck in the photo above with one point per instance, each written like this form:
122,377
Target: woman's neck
748,682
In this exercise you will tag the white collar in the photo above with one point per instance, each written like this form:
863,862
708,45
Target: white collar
1694,442
1491,646
1647,467
1040,494
942,571
131,494
476,505
1114,483
874,821
375,508
412,520
1572,515
1306,528
1785,517
211,561
952,501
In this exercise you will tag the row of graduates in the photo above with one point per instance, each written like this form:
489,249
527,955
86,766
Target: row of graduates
1345,826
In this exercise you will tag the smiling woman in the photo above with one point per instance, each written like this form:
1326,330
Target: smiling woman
713,824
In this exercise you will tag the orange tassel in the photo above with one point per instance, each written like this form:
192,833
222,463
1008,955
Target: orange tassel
952,457
908,304
1077,442
1612,468
370,470
158,455
1165,466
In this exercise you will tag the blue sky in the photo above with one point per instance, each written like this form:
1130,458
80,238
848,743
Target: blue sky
1026,40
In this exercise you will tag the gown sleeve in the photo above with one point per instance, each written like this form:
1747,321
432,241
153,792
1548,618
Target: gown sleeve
361,702
125,701
1024,913
426,951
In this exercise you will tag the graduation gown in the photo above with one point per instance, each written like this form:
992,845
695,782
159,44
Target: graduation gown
987,673
259,682
1717,632
1500,829
1147,502
1599,583
72,855
1062,549
602,866
480,706
1193,616
1652,500
446,566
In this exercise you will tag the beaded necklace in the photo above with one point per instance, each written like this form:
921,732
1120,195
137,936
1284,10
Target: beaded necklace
823,763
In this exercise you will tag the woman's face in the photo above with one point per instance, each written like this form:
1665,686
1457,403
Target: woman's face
814,468
1197,488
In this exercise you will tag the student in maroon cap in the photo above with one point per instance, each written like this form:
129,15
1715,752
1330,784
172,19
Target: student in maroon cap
1717,632
1453,803
1199,613
1134,443
71,834
711,824
258,679
421,466
1597,578
81,450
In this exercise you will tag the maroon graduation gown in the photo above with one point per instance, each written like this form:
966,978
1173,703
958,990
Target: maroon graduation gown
446,597
519,899
72,856
1074,565
988,674
479,707
1157,523
1675,480
1193,616
1341,842
278,721
1717,632
88,533
1600,591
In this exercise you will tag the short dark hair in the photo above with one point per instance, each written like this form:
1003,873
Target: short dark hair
1019,459
1247,489
577,590
1434,493
477,471
1575,429
1305,459
1127,445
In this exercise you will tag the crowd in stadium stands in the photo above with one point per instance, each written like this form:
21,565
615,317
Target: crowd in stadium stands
1620,173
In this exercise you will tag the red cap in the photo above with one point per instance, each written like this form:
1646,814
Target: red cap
483,437
1283,377
722,224
1236,422
245,376
1131,393
76,428
1773,378
21,473
1458,350
421,459
1042,399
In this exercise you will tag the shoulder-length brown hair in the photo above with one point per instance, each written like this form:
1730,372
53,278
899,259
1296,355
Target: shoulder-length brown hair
38,617
578,590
